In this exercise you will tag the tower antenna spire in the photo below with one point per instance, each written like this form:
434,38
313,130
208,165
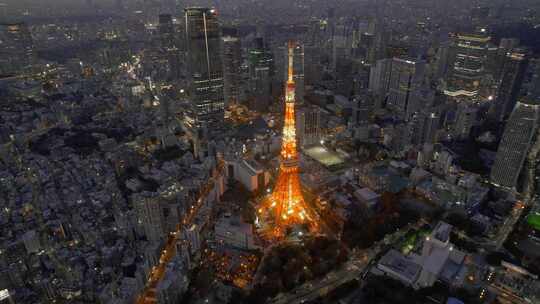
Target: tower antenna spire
291,61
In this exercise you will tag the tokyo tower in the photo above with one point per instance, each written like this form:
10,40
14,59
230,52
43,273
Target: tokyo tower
286,202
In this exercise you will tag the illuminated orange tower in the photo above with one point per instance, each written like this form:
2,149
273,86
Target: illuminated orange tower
287,202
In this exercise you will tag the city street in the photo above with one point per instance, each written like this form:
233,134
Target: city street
169,250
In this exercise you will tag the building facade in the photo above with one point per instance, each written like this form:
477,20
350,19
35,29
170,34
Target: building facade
308,125
516,141
513,72
232,59
406,76
16,48
203,43
467,70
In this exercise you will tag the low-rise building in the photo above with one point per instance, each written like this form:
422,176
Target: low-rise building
367,197
231,231
250,173
438,261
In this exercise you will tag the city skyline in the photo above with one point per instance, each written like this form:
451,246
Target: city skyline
269,152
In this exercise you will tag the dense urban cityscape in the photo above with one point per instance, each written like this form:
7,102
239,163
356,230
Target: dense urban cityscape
270,151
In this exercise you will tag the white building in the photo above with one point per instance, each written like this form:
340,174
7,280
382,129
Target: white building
399,267
250,174
439,261
5,296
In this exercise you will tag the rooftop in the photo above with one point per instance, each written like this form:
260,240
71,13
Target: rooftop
400,265
442,232
366,194
324,156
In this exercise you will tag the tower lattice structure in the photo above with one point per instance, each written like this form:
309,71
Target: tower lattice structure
287,201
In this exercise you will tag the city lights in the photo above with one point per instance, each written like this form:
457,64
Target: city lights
286,201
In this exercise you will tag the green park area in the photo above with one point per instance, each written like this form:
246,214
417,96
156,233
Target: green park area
534,220
411,239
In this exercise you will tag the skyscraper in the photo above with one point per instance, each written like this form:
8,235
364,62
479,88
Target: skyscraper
379,77
16,48
166,31
405,77
313,69
532,83
170,46
469,54
231,69
261,65
513,72
203,43
516,141
466,120
431,127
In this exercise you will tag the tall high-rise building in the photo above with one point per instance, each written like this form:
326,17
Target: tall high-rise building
232,59
341,51
379,77
170,45
166,31
466,120
260,64
203,46
532,83
431,127
16,48
330,24
416,127
362,109
518,136
313,69
513,72
441,61
469,55
406,76
421,98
